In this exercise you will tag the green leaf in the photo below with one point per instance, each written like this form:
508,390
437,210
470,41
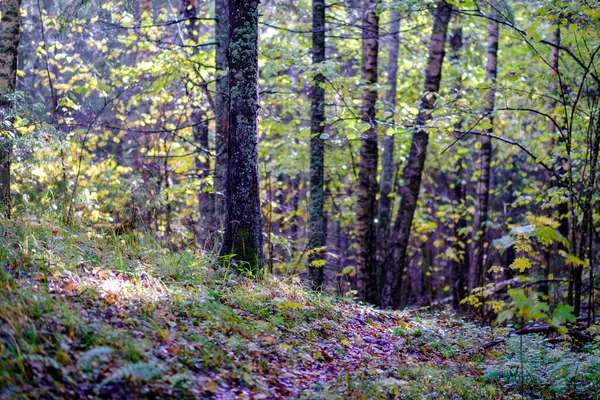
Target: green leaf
318,263
563,313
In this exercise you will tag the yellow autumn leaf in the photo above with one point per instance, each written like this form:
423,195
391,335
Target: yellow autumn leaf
211,386
521,264
495,268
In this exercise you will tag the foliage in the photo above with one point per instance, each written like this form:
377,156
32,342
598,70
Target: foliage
141,321
550,372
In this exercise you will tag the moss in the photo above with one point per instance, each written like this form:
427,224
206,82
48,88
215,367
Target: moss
246,258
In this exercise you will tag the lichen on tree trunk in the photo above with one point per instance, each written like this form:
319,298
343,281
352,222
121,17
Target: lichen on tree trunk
243,230
317,150
10,35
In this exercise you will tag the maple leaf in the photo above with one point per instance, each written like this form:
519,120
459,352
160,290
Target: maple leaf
521,264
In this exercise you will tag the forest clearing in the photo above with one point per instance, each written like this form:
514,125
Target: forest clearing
303,199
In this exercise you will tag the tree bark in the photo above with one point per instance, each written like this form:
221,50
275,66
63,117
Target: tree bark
459,268
477,267
561,209
384,212
317,151
200,129
243,230
145,7
10,35
366,208
221,109
413,171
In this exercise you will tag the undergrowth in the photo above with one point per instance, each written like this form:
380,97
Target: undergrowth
92,315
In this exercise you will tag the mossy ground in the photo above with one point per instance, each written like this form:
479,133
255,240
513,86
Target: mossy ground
85,315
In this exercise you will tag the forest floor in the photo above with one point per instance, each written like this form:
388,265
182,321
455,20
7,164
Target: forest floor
88,316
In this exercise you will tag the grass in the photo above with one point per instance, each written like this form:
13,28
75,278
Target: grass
89,315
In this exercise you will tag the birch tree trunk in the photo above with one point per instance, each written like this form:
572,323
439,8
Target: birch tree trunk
243,230
366,207
10,34
413,171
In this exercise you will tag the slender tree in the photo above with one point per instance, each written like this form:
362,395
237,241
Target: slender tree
221,108
476,269
317,150
243,230
10,34
413,170
199,122
366,208
562,209
459,266
384,212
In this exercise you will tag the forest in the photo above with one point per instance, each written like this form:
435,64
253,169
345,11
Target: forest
299,199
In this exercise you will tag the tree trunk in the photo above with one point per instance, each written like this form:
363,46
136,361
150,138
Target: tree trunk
366,208
413,171
221,109
10,34
145,7
243,230
477,267
384,215
317,154
200,131
459,267
561,209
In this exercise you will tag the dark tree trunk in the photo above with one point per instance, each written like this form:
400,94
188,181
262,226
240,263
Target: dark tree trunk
459,267
477,267
562,209
413,171
10,34
199,122
243,230
221,109
366,208
317,153
384,215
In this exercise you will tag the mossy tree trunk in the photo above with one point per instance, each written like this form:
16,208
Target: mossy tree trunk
317,150
10,34
413,171
366,207
243,230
